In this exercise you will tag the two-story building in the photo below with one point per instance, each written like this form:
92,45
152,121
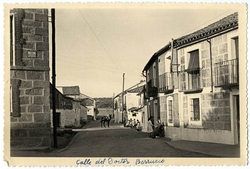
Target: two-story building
29,77
127,102
193,84
86,101
70,113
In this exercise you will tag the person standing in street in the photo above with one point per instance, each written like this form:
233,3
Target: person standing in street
150,126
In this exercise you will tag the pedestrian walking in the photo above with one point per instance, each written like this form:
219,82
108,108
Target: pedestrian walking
150,126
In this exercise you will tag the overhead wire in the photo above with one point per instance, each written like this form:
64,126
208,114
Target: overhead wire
98,40
83,61
110,70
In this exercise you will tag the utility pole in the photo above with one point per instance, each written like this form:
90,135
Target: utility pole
113,102
54,77
122,98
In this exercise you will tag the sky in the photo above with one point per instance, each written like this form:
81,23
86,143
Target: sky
95,46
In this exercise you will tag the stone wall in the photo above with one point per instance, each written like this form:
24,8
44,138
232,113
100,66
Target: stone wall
215,110
30,126
219,53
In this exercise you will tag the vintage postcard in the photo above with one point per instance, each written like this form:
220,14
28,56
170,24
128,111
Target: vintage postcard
125,84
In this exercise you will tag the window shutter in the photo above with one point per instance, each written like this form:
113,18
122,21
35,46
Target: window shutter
19,14
193,61
15,100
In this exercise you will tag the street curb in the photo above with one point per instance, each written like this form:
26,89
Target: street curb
30,148
191,151
65,148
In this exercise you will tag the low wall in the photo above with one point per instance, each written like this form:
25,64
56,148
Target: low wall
174,133
206,135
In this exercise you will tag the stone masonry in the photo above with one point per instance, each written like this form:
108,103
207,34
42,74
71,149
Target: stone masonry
215,111
219,54
30,126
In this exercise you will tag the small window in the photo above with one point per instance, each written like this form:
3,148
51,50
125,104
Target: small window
195,109
170,111
11,108
235,48
134,114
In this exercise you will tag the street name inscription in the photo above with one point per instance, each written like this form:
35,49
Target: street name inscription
122,161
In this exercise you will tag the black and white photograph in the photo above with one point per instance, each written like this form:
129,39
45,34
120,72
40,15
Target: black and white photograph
130,84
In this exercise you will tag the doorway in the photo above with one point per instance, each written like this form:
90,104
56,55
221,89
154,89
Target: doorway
58,119
236,108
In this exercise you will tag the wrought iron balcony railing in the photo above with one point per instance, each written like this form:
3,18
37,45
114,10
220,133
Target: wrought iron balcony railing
190,82
226,73
166,83
151,89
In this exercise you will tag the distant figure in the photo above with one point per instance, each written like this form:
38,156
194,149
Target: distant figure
130,122
150,126
158,130
138,122
105,119
138,126
158,122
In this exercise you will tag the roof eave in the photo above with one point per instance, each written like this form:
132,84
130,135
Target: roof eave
155,56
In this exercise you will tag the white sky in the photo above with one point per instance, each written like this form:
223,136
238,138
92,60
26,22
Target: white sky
96,46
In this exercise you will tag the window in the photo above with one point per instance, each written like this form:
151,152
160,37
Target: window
233,65
235,48
11,108
195,109
227,71
16,37
193,71
170,111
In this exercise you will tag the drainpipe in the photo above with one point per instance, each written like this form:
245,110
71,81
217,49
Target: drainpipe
54,77
172,52
211,63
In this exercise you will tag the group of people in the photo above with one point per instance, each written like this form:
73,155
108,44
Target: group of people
155,130
135,124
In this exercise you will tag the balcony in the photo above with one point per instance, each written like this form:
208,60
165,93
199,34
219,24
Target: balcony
151,89
226,73
190,81
166,83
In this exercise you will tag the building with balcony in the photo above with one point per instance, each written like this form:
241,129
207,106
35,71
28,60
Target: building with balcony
128,104
193,84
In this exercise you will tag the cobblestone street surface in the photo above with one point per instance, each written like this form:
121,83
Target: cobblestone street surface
116,141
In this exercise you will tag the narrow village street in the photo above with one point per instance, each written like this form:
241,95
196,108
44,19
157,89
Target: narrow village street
117,141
